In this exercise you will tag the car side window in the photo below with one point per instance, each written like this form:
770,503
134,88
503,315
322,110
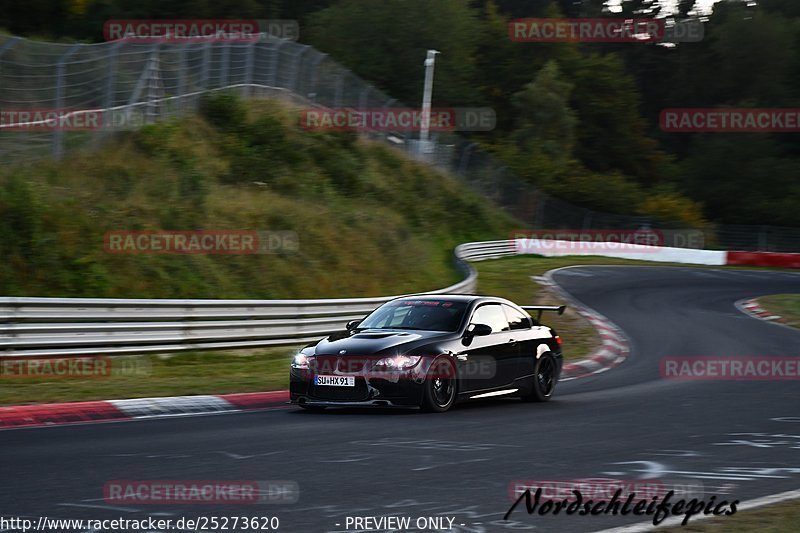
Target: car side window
492,315
516,319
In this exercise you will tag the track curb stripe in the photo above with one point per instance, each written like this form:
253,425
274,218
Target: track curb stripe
56,414
614,348
754,309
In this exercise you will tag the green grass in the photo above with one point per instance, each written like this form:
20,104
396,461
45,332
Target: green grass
787,306
175,375
779,518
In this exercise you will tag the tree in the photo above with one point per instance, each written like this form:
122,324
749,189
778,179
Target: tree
545,124
611,132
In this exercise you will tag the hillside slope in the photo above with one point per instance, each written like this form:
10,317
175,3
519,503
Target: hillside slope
369,221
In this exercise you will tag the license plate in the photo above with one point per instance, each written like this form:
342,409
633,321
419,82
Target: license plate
335,381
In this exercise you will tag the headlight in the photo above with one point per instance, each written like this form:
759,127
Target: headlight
301,360
398,362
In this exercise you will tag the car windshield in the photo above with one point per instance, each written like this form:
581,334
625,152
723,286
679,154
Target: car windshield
424,314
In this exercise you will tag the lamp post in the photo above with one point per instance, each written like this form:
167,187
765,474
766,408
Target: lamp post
425,126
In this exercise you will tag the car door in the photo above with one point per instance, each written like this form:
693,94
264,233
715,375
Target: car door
488,361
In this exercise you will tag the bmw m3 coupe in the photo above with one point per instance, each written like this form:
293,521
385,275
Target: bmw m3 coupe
431,351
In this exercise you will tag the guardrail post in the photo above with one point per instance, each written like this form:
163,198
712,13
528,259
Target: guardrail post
58,134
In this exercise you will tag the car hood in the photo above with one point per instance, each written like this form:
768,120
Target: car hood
375,341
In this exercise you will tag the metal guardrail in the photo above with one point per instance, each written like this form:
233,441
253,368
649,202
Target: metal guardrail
39,327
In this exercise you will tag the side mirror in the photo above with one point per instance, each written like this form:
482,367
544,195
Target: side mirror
353,324
479,330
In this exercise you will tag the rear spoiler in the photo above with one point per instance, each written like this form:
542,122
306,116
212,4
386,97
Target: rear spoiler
542,308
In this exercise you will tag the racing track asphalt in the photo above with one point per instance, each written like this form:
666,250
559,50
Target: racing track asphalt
739,439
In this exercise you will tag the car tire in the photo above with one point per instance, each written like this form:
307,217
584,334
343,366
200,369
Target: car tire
440,387
544,379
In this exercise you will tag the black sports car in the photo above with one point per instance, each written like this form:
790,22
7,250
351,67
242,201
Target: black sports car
431,351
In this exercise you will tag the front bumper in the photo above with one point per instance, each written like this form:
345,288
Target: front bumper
404,391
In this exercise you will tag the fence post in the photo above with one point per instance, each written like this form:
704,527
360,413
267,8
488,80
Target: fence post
296,70
248,70
315,76
58,135
465,156
338,90
206,64
226,58
111,73
181,77
273,74
363,98
155,94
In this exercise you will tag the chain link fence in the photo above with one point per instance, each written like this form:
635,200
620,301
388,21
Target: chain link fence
108,87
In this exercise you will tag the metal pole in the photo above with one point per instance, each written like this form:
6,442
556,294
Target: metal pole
276,52
425,126
206,64
312,91
111,71
248,71
182,68
338,90
296,70
223,70
58,135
